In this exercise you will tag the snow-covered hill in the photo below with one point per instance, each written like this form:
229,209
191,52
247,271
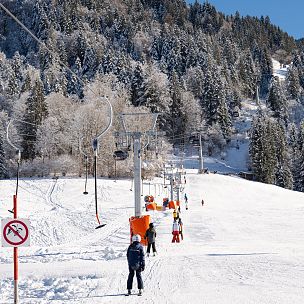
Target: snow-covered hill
245,245
279,70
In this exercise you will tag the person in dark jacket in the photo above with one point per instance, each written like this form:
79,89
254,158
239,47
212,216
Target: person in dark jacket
151,235
181,228
186,201
136,262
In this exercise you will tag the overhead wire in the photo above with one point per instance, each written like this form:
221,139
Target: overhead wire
95,140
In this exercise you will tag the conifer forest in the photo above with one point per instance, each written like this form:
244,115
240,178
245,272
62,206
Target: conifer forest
189,62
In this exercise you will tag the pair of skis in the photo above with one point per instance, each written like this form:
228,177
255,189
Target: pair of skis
133,294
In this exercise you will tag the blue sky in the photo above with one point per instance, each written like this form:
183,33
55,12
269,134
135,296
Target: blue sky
287,14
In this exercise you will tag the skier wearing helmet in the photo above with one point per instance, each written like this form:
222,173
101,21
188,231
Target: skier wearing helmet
136,261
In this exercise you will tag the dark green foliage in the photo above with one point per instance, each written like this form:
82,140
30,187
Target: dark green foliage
167,54
3,170
283,174
293,83
277,101
35,112
269,153
298,160
262,150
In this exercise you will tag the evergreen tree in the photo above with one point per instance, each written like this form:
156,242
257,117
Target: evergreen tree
27,84
247,74
262,150
74,86
277,101
293,83
214,99
137,86
35,112
283,167
178,118
266,71
299,161
3,170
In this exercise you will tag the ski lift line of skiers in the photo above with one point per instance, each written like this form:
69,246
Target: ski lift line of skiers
136,258
135,252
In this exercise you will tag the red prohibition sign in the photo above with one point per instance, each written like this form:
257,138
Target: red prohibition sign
16,233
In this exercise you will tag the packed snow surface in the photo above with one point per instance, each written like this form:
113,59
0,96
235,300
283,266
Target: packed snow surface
245,245
279,70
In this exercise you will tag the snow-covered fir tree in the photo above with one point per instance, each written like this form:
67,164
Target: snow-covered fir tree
277,101
35,112
3,169
190,62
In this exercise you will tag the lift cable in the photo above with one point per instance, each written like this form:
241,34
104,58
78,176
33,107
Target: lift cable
96,139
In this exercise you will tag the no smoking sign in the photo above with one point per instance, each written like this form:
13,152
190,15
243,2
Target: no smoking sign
15,232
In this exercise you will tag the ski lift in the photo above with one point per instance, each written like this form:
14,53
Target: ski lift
120,155
122,142
235,114
192,138
196,142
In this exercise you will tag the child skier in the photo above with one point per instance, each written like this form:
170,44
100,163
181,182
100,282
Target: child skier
151,235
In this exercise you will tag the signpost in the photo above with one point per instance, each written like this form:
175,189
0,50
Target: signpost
15,233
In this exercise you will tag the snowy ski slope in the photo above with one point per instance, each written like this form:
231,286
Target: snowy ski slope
244,246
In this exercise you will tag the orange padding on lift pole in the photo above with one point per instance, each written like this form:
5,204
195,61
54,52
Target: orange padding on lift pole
139,225
172,205
151,206
177,203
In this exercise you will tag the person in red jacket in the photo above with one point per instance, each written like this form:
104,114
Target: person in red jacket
175,231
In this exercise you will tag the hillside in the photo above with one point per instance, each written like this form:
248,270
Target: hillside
245,245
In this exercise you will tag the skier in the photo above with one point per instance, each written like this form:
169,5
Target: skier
150,235
202,202
181,228
175,214
186,201
136,262
165,203
175,231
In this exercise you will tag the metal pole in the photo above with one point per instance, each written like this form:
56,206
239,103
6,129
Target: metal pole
86,180
142,187
95,148
115,168
171,186
95,178
16,298
201,163
137,174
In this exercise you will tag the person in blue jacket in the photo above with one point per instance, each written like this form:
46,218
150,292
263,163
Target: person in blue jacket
136,262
